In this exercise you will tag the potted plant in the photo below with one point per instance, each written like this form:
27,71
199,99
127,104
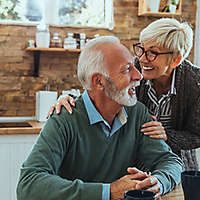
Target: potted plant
171,6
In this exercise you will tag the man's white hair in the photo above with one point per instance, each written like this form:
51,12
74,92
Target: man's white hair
91,60
170,34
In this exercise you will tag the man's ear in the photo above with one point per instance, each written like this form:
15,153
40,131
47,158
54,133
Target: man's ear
176,61
97,81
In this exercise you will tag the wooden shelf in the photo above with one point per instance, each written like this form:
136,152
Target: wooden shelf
143,10
54,50
37,52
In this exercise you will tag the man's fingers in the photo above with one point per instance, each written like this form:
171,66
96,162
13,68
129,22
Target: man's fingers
147,183
137,174
155,188
133,170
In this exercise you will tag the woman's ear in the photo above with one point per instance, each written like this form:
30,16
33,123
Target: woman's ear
176,61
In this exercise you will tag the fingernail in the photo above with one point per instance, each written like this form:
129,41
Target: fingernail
70,112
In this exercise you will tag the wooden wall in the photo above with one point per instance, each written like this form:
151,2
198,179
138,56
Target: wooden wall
58,70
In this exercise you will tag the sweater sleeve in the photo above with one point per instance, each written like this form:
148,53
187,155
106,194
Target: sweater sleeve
39,179
162,162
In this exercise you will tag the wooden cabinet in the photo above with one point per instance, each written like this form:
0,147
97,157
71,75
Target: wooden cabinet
14,149
144,11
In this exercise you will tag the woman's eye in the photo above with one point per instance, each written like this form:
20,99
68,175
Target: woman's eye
153,52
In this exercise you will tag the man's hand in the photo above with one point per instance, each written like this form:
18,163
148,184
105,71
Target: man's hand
148,182
154,129
127,182
65,101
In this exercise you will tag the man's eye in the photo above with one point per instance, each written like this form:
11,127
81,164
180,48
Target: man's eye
127,68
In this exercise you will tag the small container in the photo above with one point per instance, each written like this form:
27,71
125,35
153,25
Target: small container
70,42
42,36
77,37
56,41
82,40
31,44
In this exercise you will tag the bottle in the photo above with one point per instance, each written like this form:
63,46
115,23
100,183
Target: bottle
82,40
56,41
42,36
70,42
77,37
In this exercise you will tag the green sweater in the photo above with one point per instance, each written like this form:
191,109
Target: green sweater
72,159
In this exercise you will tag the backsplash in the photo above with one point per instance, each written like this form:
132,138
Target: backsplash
18,86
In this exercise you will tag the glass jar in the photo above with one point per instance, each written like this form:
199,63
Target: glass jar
70,42
42,36
56,41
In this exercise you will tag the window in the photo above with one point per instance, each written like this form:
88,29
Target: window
98,13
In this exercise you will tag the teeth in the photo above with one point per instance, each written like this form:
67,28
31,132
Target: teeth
148,68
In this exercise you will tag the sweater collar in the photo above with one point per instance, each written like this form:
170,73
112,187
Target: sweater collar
95,116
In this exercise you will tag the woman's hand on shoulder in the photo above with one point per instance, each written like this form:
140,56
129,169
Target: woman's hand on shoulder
154,129
64,100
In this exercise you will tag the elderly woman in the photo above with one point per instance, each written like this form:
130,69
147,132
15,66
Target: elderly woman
170,87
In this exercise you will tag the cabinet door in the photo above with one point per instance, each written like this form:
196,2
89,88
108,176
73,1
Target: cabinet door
13,151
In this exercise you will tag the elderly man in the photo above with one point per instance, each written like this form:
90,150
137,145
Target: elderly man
90,154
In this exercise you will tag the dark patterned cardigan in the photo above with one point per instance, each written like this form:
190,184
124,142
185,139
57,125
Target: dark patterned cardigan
185,133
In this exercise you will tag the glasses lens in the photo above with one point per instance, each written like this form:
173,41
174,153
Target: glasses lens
151,56
138,51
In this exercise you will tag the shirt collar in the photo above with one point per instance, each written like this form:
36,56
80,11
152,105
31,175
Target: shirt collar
172,88
95,116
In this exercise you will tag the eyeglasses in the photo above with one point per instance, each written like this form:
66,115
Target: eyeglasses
150,54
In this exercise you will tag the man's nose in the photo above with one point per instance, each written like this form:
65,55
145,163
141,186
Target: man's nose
136,75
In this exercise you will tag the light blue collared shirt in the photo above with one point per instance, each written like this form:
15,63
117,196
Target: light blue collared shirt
95,117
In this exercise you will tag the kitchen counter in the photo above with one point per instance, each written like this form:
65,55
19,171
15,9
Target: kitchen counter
28,127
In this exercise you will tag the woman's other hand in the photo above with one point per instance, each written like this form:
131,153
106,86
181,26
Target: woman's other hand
154,129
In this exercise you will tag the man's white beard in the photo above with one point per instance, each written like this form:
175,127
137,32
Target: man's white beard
120,96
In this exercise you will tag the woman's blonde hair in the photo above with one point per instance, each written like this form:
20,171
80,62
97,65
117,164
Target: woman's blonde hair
170,34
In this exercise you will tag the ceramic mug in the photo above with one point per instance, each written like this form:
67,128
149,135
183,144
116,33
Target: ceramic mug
191,184
139,195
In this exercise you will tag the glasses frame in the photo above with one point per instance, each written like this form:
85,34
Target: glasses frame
146,52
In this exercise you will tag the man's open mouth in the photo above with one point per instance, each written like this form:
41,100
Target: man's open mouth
131,91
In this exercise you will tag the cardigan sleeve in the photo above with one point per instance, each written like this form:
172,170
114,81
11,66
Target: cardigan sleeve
188,138
186,132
